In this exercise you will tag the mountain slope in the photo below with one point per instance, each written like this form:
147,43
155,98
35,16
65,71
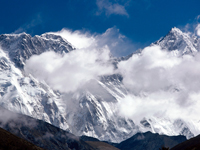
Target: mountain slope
12,142
92,111
21,47
178,40
26,95
150,141
101,145
40,133
191,144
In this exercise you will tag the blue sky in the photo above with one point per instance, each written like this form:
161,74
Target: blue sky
141,21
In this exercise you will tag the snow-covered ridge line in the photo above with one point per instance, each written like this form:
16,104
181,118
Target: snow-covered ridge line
21,47
89,111
178,40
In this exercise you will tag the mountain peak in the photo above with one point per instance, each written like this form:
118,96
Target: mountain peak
175,30
178,40
22,46
51,35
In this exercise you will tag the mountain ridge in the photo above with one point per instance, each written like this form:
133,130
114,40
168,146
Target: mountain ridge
50,137
95,113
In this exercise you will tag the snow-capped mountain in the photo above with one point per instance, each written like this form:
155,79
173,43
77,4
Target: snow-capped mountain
90,111
178,40
26,95
21,47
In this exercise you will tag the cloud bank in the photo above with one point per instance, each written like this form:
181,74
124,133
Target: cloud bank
161,83
70,72
90,60
13,120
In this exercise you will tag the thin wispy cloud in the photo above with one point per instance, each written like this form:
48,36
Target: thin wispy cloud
198,17
198,30
117,43
34,22
192,28
109,8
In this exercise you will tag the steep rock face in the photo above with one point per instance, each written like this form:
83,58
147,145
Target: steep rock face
93,111
22,46
178,40
26,95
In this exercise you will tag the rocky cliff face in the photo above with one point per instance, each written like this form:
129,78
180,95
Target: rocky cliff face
180,41
21,47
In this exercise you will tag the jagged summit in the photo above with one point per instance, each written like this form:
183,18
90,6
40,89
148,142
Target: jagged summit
176,30
50,35
22,46
178,40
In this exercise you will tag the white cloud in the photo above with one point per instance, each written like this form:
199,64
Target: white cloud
192,28
34,22
198,29
117,43
110,8
159,104
91,59
72,71
13,119
161,83
77,38
198,17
